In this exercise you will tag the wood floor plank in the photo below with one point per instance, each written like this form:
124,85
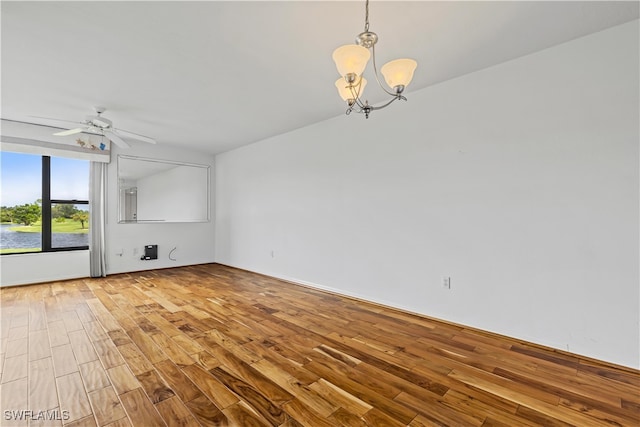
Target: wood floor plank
175,413
172,349
147,346
210,345
95,331
19,321
207,413
16,347
140,409
300,391
82,347
15,368
58,333
186,343
37,315
106,406
122,379
73,397
339,396
154,386
441,411
386,405
376,417
119,337
210,386
84,312
233,347
239,415
178,381
17,332
14,397
206,360
64,361
304,415
135,359
108,353
89,421
94,376
103,315
236,366
71,321
342,417
557,412
39,344
42,385
249,395
163,324
567,390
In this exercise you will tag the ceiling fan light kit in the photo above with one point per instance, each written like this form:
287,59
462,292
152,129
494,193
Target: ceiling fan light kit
351,61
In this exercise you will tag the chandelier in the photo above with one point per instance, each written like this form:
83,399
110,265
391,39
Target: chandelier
351,60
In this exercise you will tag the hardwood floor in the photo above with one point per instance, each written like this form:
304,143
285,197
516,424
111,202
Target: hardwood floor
210,345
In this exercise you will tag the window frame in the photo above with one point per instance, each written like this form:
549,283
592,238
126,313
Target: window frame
47,202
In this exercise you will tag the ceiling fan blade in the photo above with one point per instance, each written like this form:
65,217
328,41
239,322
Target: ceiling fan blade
56,122
134,136
69,132
113,137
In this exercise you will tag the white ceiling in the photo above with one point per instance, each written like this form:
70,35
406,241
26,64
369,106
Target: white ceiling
217,75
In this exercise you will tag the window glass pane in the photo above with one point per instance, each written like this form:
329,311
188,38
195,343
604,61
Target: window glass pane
20,202
69,225
69,179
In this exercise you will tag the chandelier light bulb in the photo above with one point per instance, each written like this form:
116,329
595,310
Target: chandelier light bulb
351,59
350,91
399,72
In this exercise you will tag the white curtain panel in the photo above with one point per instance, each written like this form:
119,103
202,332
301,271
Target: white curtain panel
97,210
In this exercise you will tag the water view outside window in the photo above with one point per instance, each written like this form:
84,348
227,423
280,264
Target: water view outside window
23,210
21,188
69,220
69,226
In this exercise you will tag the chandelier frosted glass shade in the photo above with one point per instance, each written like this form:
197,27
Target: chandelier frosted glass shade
399,72
351,59
350,91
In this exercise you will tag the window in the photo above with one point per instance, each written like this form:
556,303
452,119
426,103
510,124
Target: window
45,203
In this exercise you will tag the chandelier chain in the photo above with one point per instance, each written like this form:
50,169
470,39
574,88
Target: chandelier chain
366,17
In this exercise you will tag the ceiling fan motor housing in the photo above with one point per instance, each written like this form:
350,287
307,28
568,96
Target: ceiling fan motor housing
99,121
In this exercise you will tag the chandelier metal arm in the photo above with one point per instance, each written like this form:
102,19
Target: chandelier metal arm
375,70
380,107
366,108
355,89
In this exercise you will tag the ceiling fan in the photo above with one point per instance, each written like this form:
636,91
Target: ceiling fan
100,126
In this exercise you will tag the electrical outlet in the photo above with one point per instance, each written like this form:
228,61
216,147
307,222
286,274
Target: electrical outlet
446,282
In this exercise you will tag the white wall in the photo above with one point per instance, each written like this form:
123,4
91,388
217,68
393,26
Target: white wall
520,182
194,241
22,269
